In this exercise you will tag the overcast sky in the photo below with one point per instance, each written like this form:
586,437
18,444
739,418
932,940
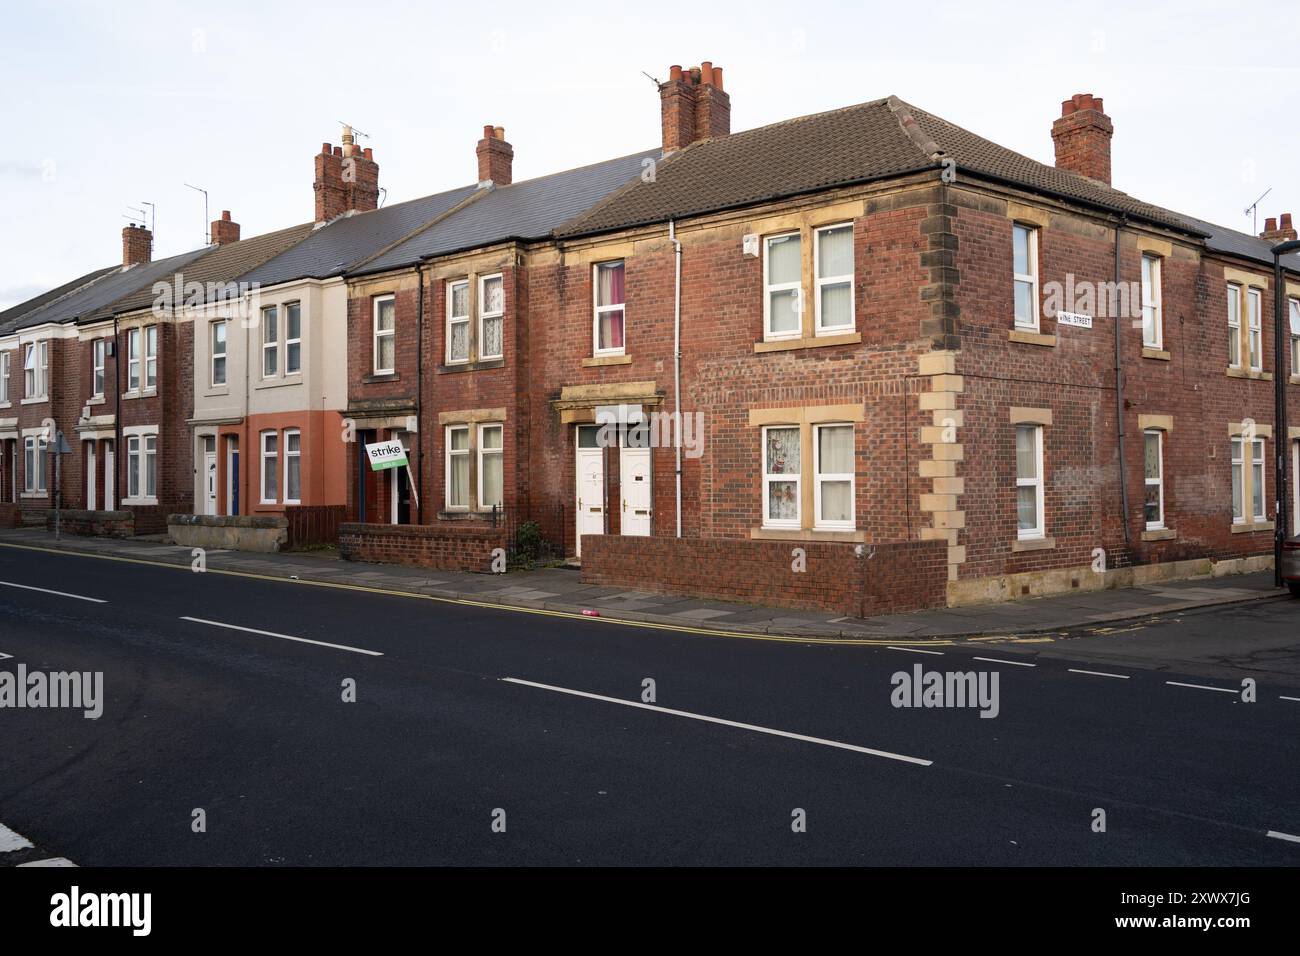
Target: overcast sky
107,105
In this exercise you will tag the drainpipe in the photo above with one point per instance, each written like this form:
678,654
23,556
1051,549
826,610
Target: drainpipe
677,367
117,416
1119,394
419,397
1281,439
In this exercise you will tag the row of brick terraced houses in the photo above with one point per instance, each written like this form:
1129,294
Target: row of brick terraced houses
892,344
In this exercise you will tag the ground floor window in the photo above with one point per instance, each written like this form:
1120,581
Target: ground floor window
270,468
781,477
1029,481
292,466
1154,473
834,476
490,466
1248,480
142,466
34,464
457,468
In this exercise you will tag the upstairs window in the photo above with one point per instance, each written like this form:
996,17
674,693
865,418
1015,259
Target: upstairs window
491,317
270,342
151,356
1255,331
98,349
1295,336
458,321
384,346
782,287
219,353
292,338
609,313
4,378
1024,269
1152,319
834,269
1234,325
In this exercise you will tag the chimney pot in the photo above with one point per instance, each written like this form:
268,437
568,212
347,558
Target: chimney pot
326,149
343,184
693,106
706,73
224,230
1286,220
1270,224
717,77
499,132
674,74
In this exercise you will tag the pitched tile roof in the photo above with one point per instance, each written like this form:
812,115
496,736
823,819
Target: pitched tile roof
855,144
224,264
531,209
9,317
94,300
1243,244
347,240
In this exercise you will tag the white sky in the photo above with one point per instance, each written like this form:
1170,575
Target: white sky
110,104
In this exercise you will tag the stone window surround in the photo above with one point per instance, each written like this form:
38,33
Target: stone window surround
470,419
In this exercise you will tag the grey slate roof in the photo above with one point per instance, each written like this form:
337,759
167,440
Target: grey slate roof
531,209
96,299
222,265
869,141
1232,242
9,317
341,243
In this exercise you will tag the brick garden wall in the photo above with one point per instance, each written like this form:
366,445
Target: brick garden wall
450,547
99,524
884,578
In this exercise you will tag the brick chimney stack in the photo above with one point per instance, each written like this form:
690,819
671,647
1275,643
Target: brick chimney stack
693,106
346,178
495,156
1082,137
1274,233
223,230
137,245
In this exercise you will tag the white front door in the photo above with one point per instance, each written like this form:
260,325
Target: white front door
110,473
90,475
589,500
210,477
634,483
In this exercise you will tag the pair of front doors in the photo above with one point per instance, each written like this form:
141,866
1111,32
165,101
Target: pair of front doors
634,497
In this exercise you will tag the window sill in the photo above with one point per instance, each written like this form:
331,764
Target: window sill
598,361
139,502
216,393
376,377
38,400
295,379
1248,373
34,495
95,400
813,342
1159,534
1294,380
1026,337
1033,544
456,514
446,369
1247,527
1159,354
147,393
804,534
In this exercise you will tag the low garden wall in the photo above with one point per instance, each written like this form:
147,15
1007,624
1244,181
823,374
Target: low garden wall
265,533
98,524
459,546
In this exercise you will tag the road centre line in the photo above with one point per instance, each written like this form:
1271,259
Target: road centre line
1281,697
1221,690
912,650
283,637
1074,670
1283,836
994,660
78,597
718,720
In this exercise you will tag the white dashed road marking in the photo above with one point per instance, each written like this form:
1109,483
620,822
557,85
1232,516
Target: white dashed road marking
994,660
10,841
724,723
77,597
283,637
52,861
1284,836
1098,673
1221,690
912,650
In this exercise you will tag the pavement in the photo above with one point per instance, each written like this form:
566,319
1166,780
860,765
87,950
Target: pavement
254,720
562,591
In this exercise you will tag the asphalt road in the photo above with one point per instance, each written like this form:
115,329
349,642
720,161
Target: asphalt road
450,731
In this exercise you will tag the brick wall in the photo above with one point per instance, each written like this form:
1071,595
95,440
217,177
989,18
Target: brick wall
843,578
99,524
449,546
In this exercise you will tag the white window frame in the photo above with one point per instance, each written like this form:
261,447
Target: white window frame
819,478
140,458
1159,480
1237,464
481,453
224,355
454,320
150,382
36,368
770,478
1234,325
271,345
1153,335
35,466
1259,459
98,353
290,455
597,310
447,461
133,360
1255,329
290,340
484,315
5,362
1293,320
1040,531
819,281
769,288
273,457
1030,277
